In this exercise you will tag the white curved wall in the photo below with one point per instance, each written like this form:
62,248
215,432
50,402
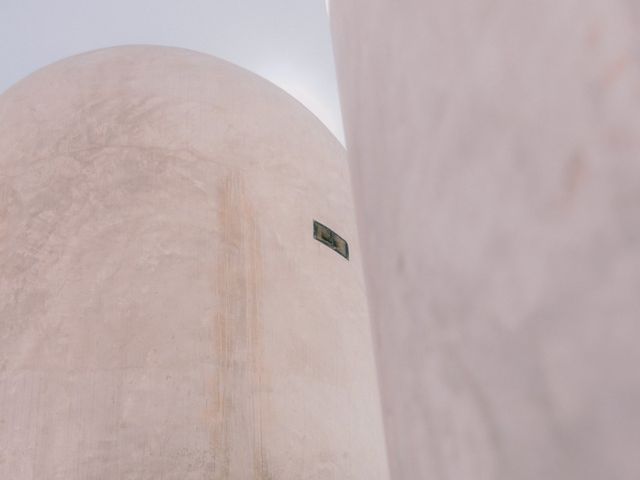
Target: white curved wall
494,152
164,309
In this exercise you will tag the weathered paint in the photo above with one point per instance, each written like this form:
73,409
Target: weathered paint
165,312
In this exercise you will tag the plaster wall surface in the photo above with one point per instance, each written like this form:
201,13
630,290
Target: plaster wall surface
165,312
494,150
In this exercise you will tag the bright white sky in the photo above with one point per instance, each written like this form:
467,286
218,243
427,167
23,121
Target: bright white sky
285,41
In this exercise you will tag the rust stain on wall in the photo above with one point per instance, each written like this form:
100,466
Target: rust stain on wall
237,438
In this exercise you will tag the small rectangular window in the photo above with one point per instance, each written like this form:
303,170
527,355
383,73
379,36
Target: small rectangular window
331,239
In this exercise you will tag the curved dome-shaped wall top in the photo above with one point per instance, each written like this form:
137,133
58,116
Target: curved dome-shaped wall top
165,311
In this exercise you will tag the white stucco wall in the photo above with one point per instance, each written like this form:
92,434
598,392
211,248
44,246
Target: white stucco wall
494,153
165,311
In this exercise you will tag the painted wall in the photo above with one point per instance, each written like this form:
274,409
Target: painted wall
494,154
165,311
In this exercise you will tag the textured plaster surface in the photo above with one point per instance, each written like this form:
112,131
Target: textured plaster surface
494,149
165,312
